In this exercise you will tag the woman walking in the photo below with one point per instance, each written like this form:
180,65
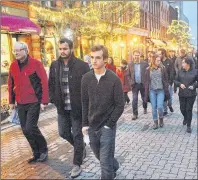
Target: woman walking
156,89
110,65
123,75
186,80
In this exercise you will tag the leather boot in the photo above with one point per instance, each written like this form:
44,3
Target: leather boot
155,126
161,122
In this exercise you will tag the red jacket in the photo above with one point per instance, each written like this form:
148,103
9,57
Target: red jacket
111,67
28,85
123,75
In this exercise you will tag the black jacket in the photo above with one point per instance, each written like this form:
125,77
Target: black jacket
143,66
170,70
188,78
103,102
77,69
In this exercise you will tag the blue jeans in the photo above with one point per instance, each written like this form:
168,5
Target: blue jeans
170,101
157,101
102,143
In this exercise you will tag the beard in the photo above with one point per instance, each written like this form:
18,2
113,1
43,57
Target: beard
66,56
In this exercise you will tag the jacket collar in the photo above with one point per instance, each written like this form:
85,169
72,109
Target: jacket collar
71,61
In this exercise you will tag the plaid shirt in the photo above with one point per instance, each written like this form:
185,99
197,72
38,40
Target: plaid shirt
65,85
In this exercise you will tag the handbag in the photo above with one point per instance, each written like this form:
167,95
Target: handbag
14,117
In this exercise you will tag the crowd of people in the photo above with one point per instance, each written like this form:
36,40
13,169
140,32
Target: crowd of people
90,97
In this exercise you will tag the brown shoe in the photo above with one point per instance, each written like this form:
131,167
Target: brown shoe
155,126
161,122
134,117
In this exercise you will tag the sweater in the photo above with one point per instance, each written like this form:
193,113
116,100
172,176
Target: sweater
103,101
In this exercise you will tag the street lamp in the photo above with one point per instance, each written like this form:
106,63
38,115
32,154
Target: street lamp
121,46
68,33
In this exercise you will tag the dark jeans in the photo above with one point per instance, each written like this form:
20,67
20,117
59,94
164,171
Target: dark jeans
135,90
126,97
70,129
102,143
186,106
29,115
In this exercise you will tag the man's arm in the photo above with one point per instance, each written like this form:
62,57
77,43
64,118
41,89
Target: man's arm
11,94
85,102
119,104
51,83
44,83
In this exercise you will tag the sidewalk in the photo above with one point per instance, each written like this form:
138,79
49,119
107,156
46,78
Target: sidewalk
165,153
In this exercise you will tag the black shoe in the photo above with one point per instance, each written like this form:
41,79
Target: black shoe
184,122
43,157
134,117
171,109
165,113
189,130
161,122
145,111
155,126
115,174
33,159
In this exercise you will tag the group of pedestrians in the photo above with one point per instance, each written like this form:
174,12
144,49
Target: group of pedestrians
91,101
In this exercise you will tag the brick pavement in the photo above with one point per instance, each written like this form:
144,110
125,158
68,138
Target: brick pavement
143,153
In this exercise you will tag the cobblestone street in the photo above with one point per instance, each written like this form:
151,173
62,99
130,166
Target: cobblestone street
165,153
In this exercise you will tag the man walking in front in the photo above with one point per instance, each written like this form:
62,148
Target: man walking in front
102,105
27,85
137,69
170,71
65,92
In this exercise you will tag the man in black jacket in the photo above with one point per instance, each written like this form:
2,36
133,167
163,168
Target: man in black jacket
137,70
65,92
170,74
103,104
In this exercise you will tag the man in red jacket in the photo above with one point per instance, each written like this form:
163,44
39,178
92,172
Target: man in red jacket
28,87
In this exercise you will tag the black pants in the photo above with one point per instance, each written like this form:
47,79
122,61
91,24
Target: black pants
126,97
29,115
70,129
135,90
186,106
102,143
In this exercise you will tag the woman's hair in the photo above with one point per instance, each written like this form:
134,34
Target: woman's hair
152,64
112,61
124,62
188,60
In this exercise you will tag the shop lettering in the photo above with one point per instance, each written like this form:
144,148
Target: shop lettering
5,10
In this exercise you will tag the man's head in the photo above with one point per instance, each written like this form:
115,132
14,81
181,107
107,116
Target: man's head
182,52
99,54
161,53
20,50
136,56
65,48
171,53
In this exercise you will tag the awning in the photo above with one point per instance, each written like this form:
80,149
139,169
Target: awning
158,42
18,24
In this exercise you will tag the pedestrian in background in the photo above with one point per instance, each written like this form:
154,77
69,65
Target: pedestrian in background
123,74
137,70
65,92
186,80
156,89
110,65
28,87
102,104
170,74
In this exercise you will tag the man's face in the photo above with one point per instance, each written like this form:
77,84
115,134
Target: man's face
97,59
136,56
182,53
19,52
159,53
64,50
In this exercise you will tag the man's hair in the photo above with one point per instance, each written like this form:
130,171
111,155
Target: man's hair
100,48
163,51
65,40
124,62
188,60
136,51
183,51
23,45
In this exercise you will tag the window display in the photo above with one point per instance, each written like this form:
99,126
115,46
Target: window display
5,53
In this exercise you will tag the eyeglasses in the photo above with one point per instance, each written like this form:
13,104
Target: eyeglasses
17,51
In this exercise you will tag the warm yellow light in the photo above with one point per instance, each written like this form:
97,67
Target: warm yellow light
131,43
135,39
121,44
